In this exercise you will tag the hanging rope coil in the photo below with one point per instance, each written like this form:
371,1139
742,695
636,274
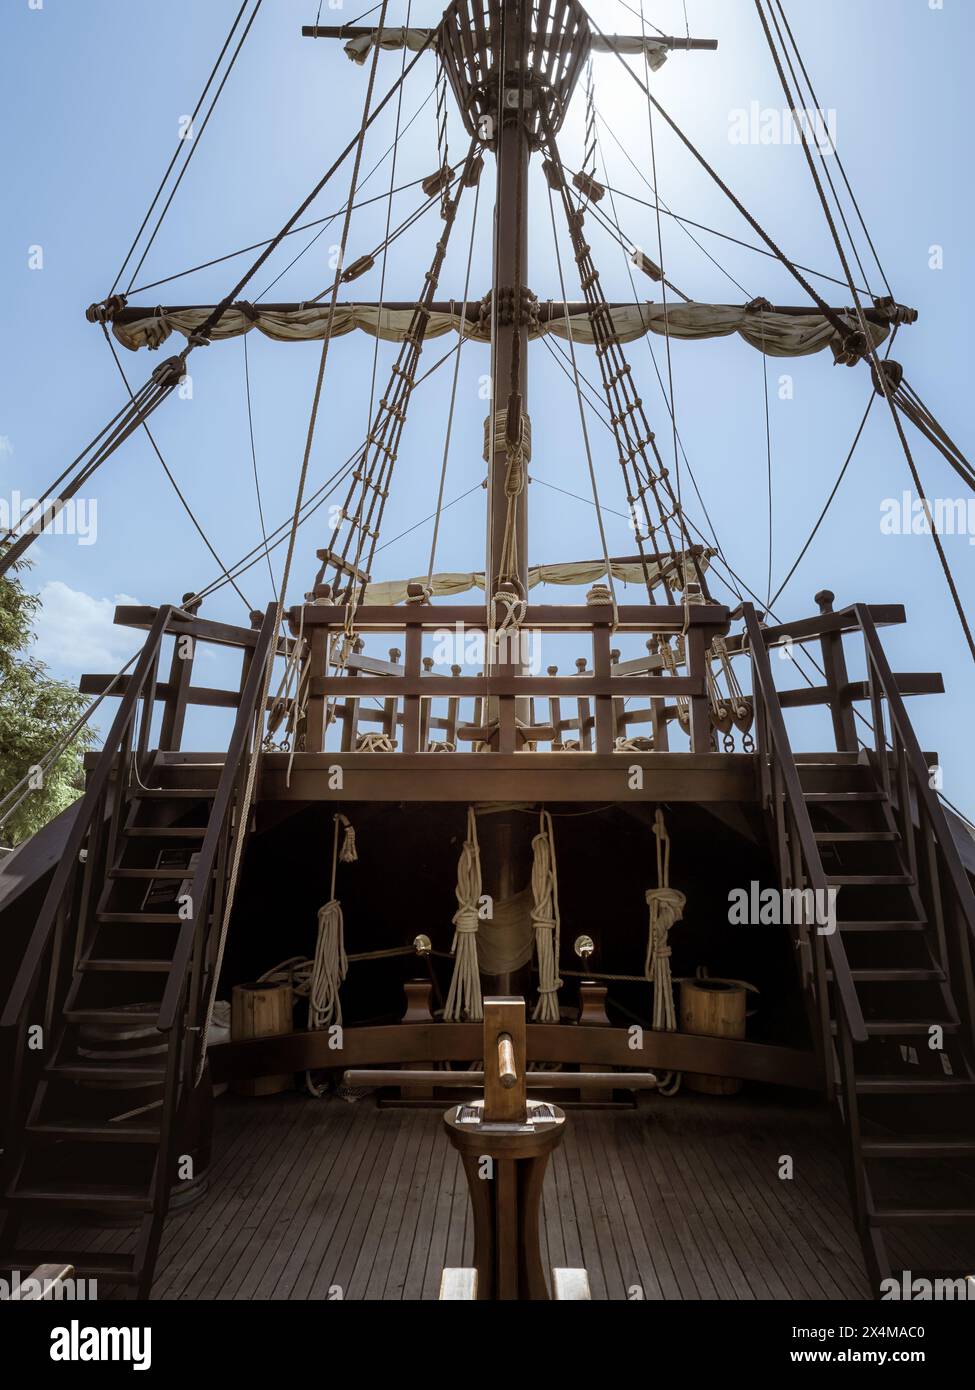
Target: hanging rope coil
546,921
666,906
330,964
464,996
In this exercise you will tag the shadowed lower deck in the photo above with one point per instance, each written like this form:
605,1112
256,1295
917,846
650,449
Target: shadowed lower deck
681,1199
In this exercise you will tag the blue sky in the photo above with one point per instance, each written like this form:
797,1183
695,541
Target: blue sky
93,92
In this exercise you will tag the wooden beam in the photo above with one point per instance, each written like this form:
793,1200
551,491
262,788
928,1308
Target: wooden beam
548,1042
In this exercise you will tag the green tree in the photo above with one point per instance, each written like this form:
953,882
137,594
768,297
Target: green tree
36,711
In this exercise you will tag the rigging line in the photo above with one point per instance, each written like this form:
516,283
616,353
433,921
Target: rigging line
582,413
54,753
595,407
366,202
653,358
829,501
257,480
663,285
920,416
176,488
842,473
179,147
221,308
195,142
712,231
656,206
661,207
880,376
304,227
410,220
250,779
432,517
822,157
453,386
389,219
116,421
311,504
638,15
768,456
837,322
839,161
628,245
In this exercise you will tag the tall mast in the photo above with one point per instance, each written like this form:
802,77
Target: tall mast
509,368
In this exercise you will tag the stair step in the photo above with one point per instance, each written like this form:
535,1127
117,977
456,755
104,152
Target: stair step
905,1028
160,919
919,1146
165,832
914,1086
929,1216
870,880
893,977
89,1197
87,1264
175,874
914,924
119,1073
847,836
843,797
121,1015
151,967
95,1131
165,793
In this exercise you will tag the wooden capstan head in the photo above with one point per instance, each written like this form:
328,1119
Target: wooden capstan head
505,1080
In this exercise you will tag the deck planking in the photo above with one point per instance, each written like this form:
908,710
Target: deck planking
680,1199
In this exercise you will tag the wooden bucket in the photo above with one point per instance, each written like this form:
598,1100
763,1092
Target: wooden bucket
261,1011
715,1009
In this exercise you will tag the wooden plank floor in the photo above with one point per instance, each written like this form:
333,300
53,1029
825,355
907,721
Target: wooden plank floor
682,1199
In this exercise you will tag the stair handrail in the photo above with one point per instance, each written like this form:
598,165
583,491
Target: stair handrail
223,802
781,749
26,978
877,659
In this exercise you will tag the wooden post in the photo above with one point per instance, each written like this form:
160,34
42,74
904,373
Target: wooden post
834,665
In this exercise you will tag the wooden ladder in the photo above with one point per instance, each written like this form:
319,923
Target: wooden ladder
110,1112
890,987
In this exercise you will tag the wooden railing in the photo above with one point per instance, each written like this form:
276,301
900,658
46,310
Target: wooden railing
504,698
799,862
929,847
78,878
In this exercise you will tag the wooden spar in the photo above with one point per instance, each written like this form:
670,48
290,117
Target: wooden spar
669,41
547,309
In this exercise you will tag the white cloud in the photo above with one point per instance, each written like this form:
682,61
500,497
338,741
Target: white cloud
74,632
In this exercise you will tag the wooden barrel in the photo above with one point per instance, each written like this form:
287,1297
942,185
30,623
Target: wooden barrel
715,1009
261,1011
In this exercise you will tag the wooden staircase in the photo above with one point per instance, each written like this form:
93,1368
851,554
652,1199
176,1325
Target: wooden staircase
110,1096
890,990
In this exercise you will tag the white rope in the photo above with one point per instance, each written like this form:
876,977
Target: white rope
464,996
330,965
666,906
546,921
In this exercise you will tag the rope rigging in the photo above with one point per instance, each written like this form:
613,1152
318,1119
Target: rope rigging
167,375
880,374
182,143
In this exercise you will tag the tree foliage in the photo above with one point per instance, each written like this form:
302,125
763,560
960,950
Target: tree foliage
36,711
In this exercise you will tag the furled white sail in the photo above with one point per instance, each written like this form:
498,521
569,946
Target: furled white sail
776,334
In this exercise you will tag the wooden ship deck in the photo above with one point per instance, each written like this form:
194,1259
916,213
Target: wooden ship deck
183,875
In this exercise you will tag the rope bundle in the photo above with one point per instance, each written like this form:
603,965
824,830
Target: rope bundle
666,906
330,964
546,921
464,996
